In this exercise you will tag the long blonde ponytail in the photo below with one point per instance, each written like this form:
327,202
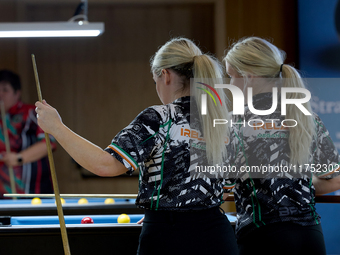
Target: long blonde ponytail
183,56
258,57
301,136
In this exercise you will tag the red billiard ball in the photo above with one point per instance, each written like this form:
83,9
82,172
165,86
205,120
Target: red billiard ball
86,220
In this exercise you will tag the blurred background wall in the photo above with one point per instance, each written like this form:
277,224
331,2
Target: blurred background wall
100,84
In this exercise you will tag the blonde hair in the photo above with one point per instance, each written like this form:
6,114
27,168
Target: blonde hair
184,57
258,57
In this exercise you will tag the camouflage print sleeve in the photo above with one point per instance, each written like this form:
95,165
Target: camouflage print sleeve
138,141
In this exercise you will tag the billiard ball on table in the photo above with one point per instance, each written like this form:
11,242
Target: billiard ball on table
87,220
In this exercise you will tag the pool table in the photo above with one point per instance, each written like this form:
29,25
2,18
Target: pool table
41,235
23,207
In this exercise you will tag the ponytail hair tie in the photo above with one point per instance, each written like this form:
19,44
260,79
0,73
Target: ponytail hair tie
281,68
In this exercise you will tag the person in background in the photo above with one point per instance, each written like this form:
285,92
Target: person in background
276,210
28,151
182,213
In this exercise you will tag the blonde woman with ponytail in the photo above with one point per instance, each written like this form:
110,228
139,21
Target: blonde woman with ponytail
276,210
182,213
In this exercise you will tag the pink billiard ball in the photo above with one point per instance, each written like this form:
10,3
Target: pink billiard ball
86,220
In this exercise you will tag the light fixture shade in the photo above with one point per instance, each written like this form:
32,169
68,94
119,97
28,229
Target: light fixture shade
51,29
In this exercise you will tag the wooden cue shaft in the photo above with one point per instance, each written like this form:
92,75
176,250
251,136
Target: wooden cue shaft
8,147
74,195
53,173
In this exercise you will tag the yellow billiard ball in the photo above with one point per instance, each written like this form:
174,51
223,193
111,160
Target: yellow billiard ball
83,201
62,201
36,201
109,201
123,218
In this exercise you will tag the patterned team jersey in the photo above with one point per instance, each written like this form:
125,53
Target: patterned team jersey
282,195
23,131
157,142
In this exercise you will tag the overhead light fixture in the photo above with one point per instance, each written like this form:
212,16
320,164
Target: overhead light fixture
50,29
71,28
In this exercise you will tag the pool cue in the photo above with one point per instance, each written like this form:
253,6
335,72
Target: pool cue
53,173
132,196
8,148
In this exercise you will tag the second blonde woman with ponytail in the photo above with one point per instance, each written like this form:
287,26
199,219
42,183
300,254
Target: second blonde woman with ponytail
275,197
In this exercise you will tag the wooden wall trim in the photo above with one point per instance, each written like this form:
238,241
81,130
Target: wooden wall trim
220,27
219,13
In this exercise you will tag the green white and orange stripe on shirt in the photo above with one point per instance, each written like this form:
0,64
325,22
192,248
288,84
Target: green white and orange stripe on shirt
126,156
229,186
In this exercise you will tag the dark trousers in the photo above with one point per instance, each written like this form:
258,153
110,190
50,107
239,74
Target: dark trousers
283,238
197,232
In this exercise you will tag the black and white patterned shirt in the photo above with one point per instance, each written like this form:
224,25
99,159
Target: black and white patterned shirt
157,142
264,198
